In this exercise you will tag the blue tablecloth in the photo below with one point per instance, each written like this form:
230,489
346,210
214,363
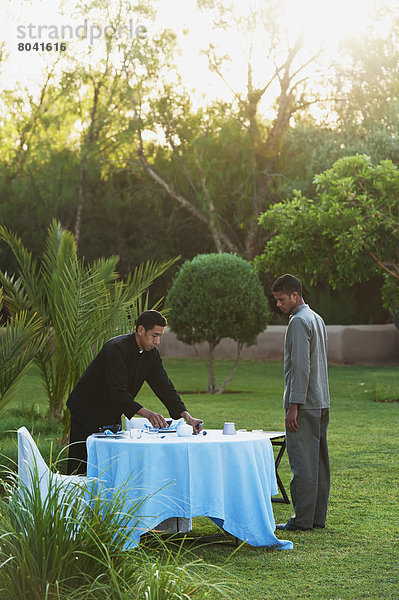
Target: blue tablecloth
229,479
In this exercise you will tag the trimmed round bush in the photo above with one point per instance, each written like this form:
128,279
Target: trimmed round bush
217,296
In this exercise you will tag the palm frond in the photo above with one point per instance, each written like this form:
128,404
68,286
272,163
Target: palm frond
20,341
74,307
145,274
54,237
27,268
105,268
81,305
14,297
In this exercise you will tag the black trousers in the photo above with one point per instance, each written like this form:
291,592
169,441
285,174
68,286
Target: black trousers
77,459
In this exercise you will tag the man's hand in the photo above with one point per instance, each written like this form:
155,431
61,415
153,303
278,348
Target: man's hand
291,416
196,424
155,419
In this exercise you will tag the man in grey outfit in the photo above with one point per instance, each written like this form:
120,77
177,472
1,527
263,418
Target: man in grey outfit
306,402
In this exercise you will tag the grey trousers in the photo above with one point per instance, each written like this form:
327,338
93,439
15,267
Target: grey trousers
308,457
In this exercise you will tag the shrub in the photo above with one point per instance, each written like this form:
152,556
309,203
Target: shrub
70,546
216,296
48,545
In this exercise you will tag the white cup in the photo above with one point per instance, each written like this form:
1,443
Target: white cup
229,429
184,430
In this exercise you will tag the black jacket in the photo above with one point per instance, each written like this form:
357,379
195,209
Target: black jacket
108,387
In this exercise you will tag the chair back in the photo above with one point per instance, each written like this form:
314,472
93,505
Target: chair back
31,464
32,468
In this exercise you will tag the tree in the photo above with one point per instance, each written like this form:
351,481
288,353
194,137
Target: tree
84,107
249,159
80,305
216,296
348,233
205,167
366,124
98,95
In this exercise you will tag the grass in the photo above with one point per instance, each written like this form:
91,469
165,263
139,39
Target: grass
69,545
357,555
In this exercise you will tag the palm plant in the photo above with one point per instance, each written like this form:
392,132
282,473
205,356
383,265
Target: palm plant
20,343
80,305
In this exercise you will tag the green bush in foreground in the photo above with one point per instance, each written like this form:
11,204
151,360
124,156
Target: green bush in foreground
49,544
70,545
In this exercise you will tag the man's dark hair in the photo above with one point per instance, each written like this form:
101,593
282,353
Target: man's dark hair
149,318
287,284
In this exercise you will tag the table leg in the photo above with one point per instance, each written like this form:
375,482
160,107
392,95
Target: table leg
282,444
175,525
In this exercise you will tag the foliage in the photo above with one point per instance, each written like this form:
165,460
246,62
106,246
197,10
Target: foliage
20,343
222,164
390,296
80,305
179,574
206,166
222,160
49,543
84,105
370,73
70,545
336,309
348,233
217,296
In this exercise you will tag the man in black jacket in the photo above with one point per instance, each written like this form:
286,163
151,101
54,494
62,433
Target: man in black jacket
108,387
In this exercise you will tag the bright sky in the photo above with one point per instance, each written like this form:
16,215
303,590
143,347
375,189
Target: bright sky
321,21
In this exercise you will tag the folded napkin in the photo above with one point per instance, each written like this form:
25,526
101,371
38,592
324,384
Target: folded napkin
172,427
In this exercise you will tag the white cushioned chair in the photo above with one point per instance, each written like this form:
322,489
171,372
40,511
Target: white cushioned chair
32,469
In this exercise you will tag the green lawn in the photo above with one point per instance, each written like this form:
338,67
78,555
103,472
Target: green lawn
357,555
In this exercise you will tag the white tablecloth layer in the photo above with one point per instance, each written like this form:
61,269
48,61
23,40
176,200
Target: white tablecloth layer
229,479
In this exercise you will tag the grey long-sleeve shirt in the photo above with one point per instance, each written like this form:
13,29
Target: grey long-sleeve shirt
305,360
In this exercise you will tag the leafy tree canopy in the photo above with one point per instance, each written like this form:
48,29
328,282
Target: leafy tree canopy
348,233
215,296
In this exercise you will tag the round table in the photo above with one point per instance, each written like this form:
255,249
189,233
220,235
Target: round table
228,478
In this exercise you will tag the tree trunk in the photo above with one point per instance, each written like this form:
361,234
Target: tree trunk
81,199
89,143
212,385
233,370
221,240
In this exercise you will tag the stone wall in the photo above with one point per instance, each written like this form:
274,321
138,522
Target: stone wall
347,345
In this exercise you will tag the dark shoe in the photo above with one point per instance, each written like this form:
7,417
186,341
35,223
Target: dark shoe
316,526
291,527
